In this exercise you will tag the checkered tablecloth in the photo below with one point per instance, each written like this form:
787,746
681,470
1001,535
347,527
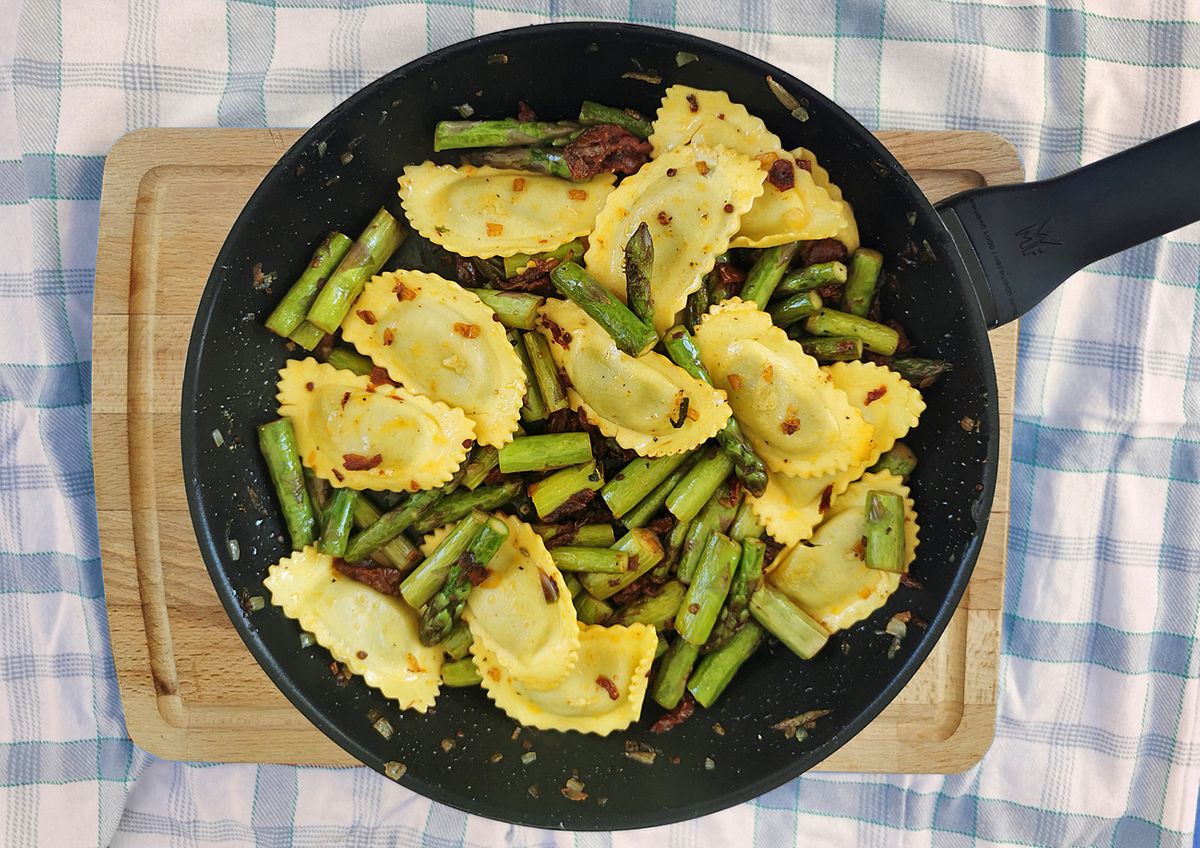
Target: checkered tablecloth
1096,738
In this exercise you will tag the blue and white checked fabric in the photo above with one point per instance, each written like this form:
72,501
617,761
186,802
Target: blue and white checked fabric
1097,739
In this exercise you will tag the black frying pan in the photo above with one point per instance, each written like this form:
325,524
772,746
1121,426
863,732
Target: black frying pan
995,254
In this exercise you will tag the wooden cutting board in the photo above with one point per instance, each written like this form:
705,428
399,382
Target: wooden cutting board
191,689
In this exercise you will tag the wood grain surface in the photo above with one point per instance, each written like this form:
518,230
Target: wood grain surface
190,688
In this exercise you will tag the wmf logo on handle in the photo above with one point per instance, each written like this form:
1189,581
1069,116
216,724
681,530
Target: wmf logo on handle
1035,238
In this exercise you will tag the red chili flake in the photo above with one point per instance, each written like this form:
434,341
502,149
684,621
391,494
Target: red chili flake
682,712
702,167
728,207
345,399
693,104
560,336
804,165
789,426
340,672
577,194
549,587
467,331
324,346
389,336
693,608
735,381
379,377
518,184
860,548
664,218
608,686
358,462
874,395
494,229
782,174
366,315
362,655
337,474
524,113
308,386
403,292
671,172
826,497
911,582
729,274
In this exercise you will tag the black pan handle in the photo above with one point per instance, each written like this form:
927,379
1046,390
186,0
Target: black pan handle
1019,242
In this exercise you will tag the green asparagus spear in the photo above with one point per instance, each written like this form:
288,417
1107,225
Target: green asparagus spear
681,347
574,587
572,251
644,551
676,539
458,643
633,482
277,441
653,503
708,589
533,407
536,160
715,670
391,524
627,331
661,647
591,560
545,373
349,360
460,503
399,552
832,348
639,261
514,309
318,495
506,132
290,312
427,578
745,525
696,307
922,373
591,610
787,312
791,625
307,336
716,516
460,674
551,493
338,521
878,338
593,113
442,611
671,679
900,460
766,273
864,277
587,536
362,262
543,453
480,463
884,531
812,277
657,610
746,580
698,485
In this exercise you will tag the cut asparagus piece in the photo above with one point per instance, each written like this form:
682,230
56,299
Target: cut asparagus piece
545,373
591,610
290,312
884,530
587,536
833,348
362,262
745,525
696,306
878,338
864,278
544,453
791,625
350,360
627,330
277,441
480,464
533,407
657,610
681,347
812,277
460,673
709,587
698,485
715,670
676,539
318,495
551,493
399,552
900,460
716,516
644,551
461,503
506,132
766,272
671,679
574,587
636,480
307,336
639,260
571,251
591,560
746,580
537,160
425,580
338,521
443,610
922,373
458,643
794,309
591,113
653,503
391,524
517,310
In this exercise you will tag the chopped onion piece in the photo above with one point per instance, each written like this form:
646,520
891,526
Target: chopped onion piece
528,757
218,438
653,79
394,770
384,728
464,109
235,550
682,58
643,757
709,764
307,640
255,603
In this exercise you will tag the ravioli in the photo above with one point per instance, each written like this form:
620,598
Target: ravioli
648,403
692,198
436,338
359,435
796,420
791,506
603,692
372,634
847,235
535,639
489,212
779,216
828,579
